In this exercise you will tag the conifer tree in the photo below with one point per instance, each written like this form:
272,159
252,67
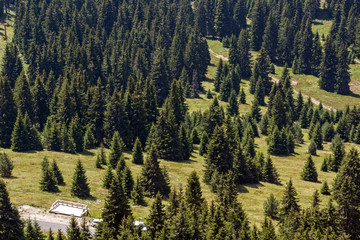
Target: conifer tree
116,149
204,143
128,182
12,226
89,138
269,172
152,178
7,113
233,108
271,207
255,111
325,164
346,192
325,189
289,202
327,79
318,138
312,148
19,136
160,77
209,94
98,162
116,209
108,177
73,230
338,149
342,71
156,218
268,230
309,172
120,167
225,88
186,144
50,235
137,194
195,136
102,155
242,96
23,97
80,187
41,109
60,235
55,140
6,165
48,181
222,20
218,77
193,192
244,54
137,152
257,25
57,173
11,64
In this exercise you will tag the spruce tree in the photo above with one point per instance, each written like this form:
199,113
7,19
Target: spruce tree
73,230
312,148
309,172
186,144
342,71
152,178
289,202
116,150
269,172
268,230
242,96
128,181
108,177
244,54
89,138
137,194
57,173
11,227
48,181
156,218
338,150
325,190
195,136
193,194
116,208
6,165
50,235
19,136
7,113
80,187
271,207
257,25
102,155
23,97
233,108
346,192
137,155
318,138
204,143
327,79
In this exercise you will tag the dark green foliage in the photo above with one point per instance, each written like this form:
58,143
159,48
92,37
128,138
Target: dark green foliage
11,64
327,79
137,194
116,150
60,235
108,177
242,96
309,171
137,155
225,88
12,228
209,94
269,173
338,149
325,190
204,143
195,136
156,218
346,192
33,231
80,187
244,54
219,157
57,173
271,207
325,163
89,138
120,167
152,178
19,136
255,111
98,161
289,203
193,192
73,230
317,136
186,144
50,235
101,154
257,25
41,109
7,113
342,71
23,97
6,165
312,148
128,181
233,108
268,230
48,181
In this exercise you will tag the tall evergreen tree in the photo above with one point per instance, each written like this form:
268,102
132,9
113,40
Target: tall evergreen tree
57,173
156,218
289,203
116,150
327,79
137,152
80,187
309,172
342,71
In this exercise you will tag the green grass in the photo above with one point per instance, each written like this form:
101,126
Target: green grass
321,26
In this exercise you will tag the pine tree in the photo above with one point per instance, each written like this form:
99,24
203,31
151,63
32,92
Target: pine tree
233,108
222,20
137,195
312,148
225,88
80,187
50,235
19,136
325,189
309,172
325,164
89,138
338,148
318,138
57,173
257,25
156,218
116,208
120,167
108,177
186,144
98,162
204,143
327,79
137,153
195,136
6,165
160,77
346,192
84,230
102,155
244,54
23,97
116,150
255,111
12,226
48,181
73,230
289,202
271,207
209,94
60,235
242,96
269,172
11,64
342,71
268,230
152,178
41,109
218,77
193,192
7,113
128,182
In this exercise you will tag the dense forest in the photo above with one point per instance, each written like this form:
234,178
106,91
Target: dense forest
115,75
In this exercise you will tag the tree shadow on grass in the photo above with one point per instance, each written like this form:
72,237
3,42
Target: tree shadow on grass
90,198
86,153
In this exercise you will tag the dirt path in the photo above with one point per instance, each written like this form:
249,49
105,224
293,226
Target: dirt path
218,55
293,83
313,100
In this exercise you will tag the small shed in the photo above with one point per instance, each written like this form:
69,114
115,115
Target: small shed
69,208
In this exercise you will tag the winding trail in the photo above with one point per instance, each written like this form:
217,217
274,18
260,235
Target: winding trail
293,83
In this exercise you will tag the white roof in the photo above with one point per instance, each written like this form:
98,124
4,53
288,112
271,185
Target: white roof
69,208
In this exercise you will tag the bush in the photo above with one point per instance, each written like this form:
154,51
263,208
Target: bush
6,165
325,189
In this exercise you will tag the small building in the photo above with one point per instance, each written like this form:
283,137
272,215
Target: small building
69,208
